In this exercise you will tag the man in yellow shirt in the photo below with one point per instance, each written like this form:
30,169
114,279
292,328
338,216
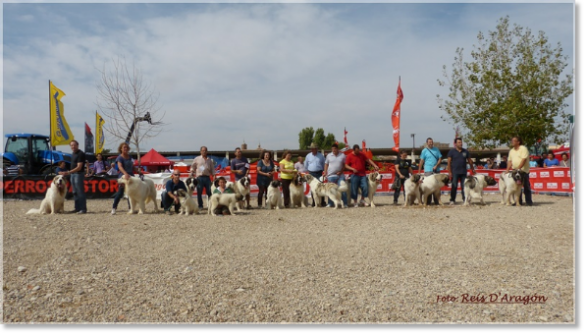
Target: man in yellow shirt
519,159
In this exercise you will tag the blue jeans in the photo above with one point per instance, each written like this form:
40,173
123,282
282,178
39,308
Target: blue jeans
167,202
355,182
203,182
336,180
455,178
77,184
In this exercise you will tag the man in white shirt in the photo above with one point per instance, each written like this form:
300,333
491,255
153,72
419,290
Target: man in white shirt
334,171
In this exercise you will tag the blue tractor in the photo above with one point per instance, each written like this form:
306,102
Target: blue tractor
31,154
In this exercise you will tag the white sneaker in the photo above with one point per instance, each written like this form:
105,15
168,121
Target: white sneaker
113,211
329,205
356,205
452,203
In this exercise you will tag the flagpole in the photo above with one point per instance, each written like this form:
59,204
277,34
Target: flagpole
50,125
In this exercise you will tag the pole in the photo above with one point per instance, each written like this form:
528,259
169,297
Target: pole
50,125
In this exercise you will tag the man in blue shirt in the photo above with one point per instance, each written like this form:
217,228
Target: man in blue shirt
239,167
430,159
457,158
314,163
168,196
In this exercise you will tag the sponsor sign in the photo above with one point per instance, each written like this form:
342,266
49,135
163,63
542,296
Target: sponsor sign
544,174
566,186
552,186
558,174
387,176
538,186
532,174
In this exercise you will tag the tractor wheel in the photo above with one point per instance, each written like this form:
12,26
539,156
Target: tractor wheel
48,170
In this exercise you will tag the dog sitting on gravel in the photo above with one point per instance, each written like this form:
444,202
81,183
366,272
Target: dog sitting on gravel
274,195
139,193
54,201
187,202
330,190
432,185
412,189
510,185
298,197
474,187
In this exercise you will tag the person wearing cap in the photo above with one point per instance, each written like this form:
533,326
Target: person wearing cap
314,163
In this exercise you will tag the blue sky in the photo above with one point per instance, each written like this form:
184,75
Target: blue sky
228,72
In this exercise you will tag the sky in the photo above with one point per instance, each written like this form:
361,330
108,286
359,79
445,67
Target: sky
255,72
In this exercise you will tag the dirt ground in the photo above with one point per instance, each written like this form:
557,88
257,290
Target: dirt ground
383,264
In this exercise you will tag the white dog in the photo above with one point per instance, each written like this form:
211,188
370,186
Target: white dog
412,192
226,199
139,192
432,185
241,187
510,185
474,187
274,195
330,190
188,205
374,180
54,201
298,197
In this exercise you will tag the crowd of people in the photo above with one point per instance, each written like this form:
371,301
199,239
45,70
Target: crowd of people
330,169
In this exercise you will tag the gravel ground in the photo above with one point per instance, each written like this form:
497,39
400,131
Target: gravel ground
387,264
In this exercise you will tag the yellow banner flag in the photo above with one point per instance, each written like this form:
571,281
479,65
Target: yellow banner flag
99,133
60,132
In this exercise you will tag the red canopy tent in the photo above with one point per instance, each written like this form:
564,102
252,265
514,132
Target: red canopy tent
153,161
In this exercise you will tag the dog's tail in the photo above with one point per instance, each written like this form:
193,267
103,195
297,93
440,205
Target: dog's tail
343,186
34,211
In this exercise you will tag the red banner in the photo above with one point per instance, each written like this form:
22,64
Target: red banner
396,117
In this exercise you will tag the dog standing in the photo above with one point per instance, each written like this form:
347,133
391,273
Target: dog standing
274,195
412,191
474,187
139,192
54,201
374,180
432,185
298,197
330,190
510,185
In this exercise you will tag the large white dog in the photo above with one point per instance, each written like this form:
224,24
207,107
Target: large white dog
241,187
510,185
330,190
188,205
274,195
226,199
432,185
298,198
139,192
412,192
54,201
474,187
374,180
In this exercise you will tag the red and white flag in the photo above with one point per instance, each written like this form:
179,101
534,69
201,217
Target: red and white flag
396,117
345,139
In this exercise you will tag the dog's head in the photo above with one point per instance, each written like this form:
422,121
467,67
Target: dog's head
490,181
308,178
416,178
276,183
59,181
517,176
298,180
128,181
375,177
443,178
191,183
245,181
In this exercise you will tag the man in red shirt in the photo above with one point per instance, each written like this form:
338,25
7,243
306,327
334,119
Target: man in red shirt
356,162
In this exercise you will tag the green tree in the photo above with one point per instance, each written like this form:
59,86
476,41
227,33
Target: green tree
330,139
512,86
319,138
305,137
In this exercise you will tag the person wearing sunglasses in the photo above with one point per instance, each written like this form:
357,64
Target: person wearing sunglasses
168,197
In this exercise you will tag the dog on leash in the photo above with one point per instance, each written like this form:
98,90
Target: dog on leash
330,190
139,192
225,199
432,185
274,195
241,187
298,197
510,185
412,189
474,187
54,201
374,180
187,202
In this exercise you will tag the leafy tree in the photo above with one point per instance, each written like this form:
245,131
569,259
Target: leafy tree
512,86
330,139
319,138
305,137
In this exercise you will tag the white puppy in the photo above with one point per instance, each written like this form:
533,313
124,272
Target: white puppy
54,200
226,199
412,189
274,195
139,192
510,185
187,202
474,187
432,185
374,180
297,188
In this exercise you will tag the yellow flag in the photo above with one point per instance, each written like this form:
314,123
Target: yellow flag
60,132
99,133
